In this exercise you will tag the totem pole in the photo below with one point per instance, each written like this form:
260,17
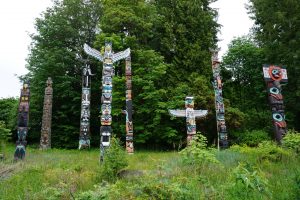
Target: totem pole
45,142
190,115
84,138
128,111
23,117
273,76
107,73
219,104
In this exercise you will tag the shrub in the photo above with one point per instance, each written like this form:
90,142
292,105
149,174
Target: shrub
4,135
271,151
197,153
115,159
249,182
251,138
292,141
150,187
265,151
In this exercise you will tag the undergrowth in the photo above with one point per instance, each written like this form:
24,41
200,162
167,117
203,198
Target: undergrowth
198,172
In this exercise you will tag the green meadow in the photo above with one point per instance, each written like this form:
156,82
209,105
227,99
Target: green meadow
263,172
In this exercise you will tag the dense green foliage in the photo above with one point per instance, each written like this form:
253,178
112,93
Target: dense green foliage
61,32
8,112
115,159
292,141
244,88
4,135
170,42
8,120
196,152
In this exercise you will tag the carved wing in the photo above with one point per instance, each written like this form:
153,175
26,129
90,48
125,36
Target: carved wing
178,113
200,113
92,52
121,55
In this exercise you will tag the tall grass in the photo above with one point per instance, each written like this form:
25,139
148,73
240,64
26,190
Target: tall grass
73,174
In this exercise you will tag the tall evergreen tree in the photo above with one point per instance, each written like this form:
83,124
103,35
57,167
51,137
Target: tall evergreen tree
61,32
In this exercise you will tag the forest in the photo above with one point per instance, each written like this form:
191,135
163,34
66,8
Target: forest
170,42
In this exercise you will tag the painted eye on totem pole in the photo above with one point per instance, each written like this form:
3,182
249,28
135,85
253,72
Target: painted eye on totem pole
278,117
276,72
274,90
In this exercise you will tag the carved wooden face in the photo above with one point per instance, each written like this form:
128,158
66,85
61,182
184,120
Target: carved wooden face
22,133
191,129
106,109
106,98
108,47
189,102
107,80
107,88
49,82
106,119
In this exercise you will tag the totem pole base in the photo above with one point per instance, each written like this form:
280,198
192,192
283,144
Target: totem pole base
44,147
19,153
84,144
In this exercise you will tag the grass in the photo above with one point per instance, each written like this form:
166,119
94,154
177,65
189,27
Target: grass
74,174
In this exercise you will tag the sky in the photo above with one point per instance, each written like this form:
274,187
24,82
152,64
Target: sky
17,22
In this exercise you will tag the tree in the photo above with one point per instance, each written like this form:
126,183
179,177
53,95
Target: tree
170,60
61,32
8,112
4,135
244,87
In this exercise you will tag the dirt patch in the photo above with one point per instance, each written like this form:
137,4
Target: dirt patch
6,171
130,173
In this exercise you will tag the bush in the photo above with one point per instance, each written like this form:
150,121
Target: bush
265,151
197,153
150,187
292,141
251,138
249,183
115,159
4,135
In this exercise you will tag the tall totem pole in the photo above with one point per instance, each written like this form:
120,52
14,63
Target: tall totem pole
23,117
219,104
45,142
273,76
107,73
190,114
84,138
128,111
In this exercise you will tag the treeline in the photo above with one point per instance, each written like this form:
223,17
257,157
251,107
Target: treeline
170,42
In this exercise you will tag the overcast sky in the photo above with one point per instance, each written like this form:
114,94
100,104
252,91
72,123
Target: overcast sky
17,21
